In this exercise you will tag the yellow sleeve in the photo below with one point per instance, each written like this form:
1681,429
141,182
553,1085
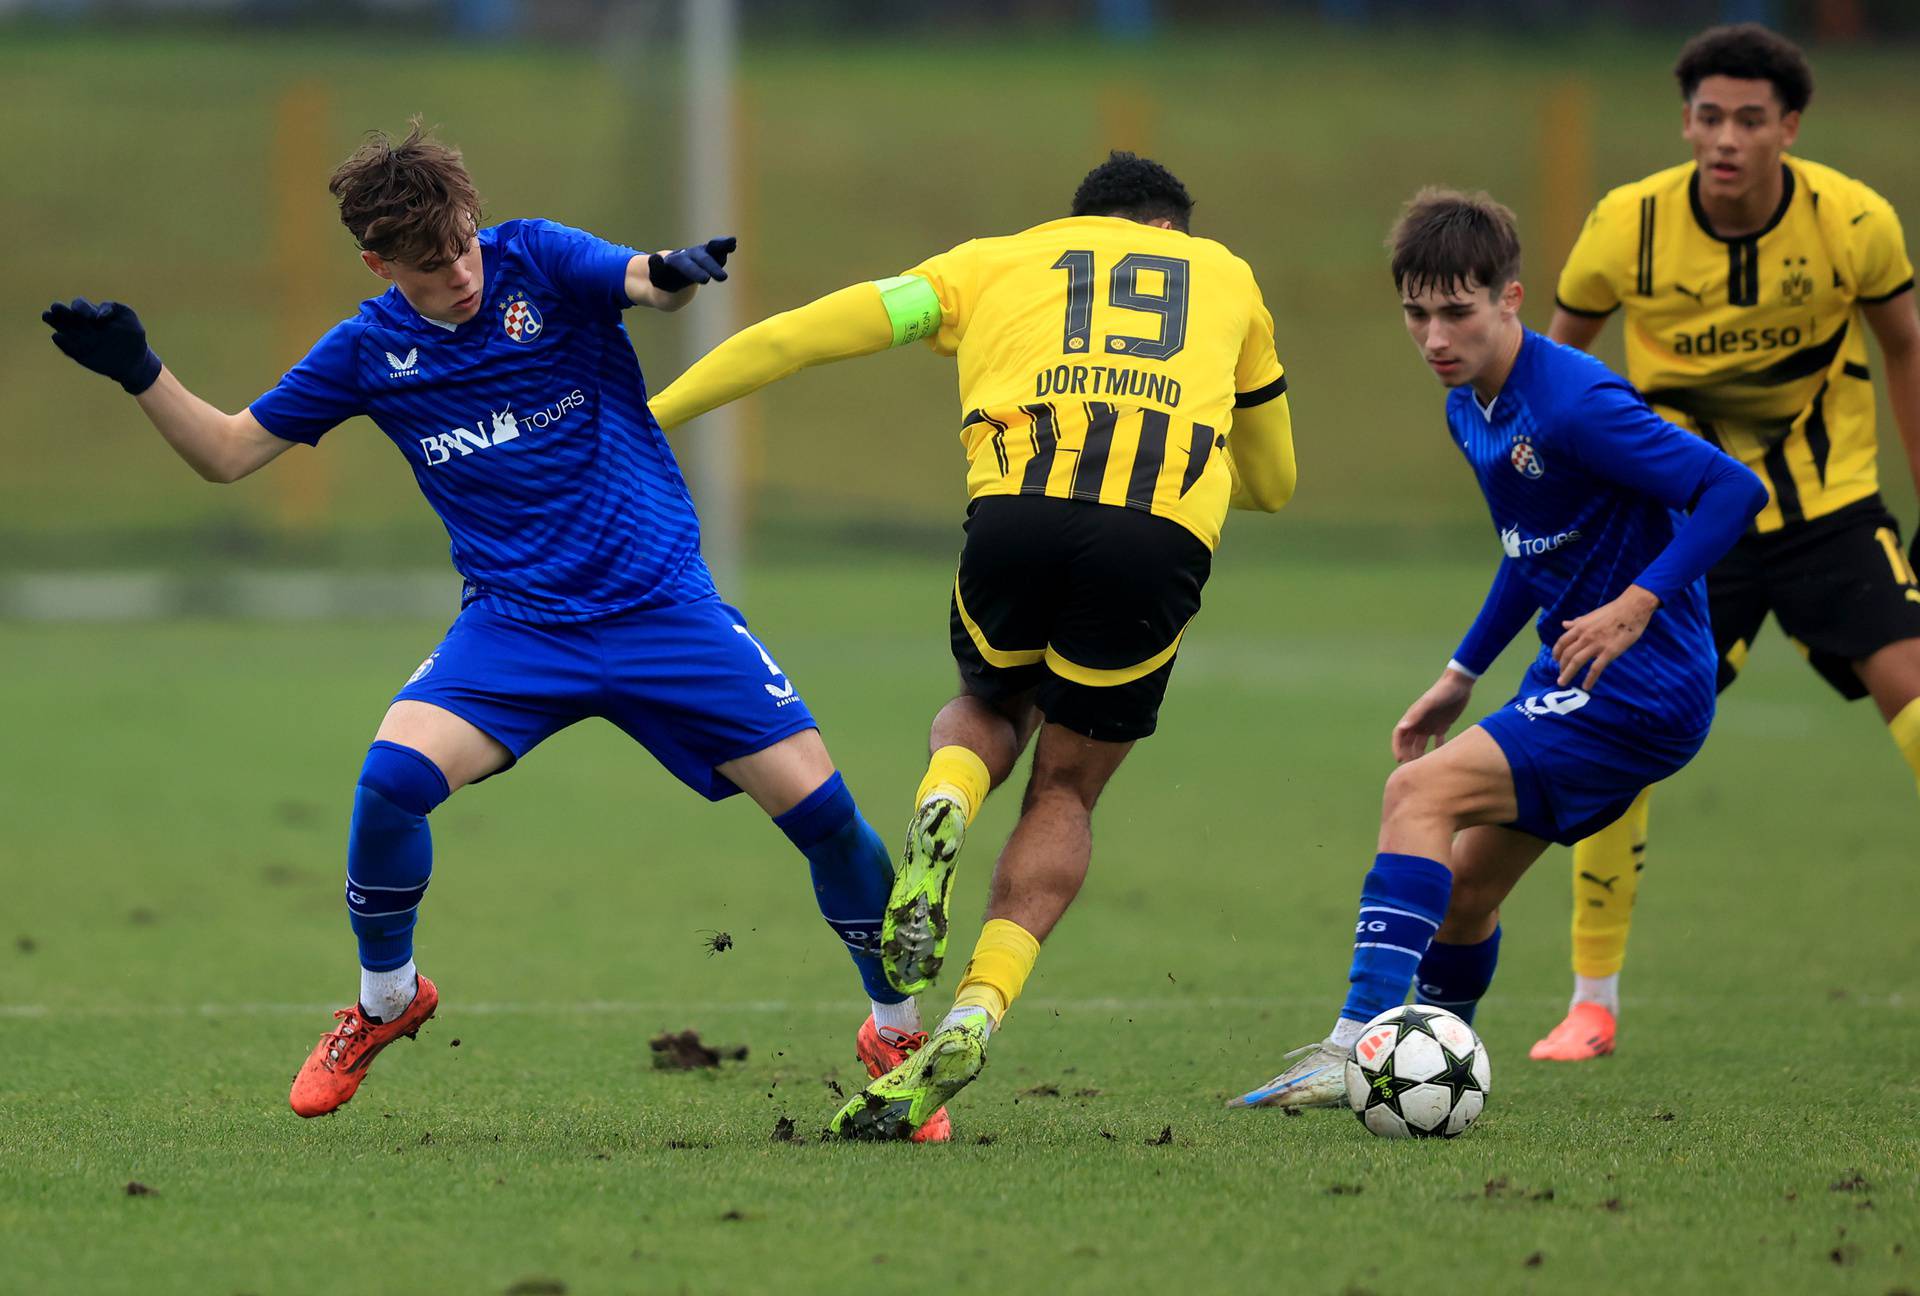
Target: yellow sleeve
1588,284
1260,456
855,321
951,275
1881,268
1258,368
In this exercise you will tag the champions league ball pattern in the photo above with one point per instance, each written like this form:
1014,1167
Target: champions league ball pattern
1417,1072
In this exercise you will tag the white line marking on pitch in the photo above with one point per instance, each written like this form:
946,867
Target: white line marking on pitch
640,1007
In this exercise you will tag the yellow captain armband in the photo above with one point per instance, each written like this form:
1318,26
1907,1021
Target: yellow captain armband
912,306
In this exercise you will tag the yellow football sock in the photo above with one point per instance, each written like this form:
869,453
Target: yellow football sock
1002,960
960,773
1606,876
1906,732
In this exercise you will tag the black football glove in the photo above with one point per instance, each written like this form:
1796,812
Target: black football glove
108,339
673,271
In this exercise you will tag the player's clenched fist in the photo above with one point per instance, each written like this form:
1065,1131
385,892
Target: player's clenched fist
673,271
108,339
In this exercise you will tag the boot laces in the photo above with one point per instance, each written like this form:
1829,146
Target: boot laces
908,1042
1305,1050
347,1038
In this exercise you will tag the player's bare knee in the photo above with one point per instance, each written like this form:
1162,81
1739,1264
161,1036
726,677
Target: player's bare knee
1412,795
1891,676
462,751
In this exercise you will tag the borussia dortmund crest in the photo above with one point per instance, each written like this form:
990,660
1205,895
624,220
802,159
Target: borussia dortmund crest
1526,460
519,318
1796,287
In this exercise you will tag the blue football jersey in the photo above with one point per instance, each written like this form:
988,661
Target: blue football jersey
527,428
1586,485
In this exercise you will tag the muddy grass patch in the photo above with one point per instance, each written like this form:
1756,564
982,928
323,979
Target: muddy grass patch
686,1051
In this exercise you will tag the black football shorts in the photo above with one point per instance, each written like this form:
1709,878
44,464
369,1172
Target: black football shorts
1840,585
1083,603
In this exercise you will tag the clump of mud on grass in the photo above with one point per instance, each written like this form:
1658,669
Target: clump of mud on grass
686,1051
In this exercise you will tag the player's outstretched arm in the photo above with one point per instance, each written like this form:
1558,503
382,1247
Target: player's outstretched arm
1260,453
1896,326
854,321
110,340
667,280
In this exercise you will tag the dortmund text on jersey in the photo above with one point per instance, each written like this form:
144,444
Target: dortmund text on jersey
1101,360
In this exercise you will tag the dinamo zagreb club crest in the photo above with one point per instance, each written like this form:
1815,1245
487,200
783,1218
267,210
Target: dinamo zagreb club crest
519,318
1526,460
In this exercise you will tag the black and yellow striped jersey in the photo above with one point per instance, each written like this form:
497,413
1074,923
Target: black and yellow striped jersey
1101,359
1753,342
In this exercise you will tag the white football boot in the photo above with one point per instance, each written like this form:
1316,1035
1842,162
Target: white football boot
1318,1078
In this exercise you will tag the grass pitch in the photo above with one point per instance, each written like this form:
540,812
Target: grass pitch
176,798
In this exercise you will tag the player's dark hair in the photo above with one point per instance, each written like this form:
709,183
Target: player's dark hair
411,202
1453,241
1746,52
1134,187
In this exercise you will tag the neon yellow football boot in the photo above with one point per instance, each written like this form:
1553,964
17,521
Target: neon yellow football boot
907,1097
913,930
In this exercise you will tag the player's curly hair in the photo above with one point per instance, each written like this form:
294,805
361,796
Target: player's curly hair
1452,241
411,202
1747,52
1134,187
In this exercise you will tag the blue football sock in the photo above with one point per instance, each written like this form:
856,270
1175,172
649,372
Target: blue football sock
390,851
852,874
1401,905
1456,977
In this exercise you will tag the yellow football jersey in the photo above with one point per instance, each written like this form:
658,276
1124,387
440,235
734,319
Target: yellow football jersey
1754,342
1102,359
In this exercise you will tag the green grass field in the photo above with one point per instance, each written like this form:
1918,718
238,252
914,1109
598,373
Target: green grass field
175,798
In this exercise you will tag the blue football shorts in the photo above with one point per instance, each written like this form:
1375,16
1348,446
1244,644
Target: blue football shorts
688,682
1579,759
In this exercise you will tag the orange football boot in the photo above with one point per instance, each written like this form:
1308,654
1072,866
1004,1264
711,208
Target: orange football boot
340,1060
881,1049
1587,1033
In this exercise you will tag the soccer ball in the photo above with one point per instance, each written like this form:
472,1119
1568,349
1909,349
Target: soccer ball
1417,1072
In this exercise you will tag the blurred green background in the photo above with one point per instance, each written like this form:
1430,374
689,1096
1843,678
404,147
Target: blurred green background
185,172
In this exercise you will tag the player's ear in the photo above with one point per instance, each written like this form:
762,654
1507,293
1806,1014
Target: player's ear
1789,129
376,263
1511,296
